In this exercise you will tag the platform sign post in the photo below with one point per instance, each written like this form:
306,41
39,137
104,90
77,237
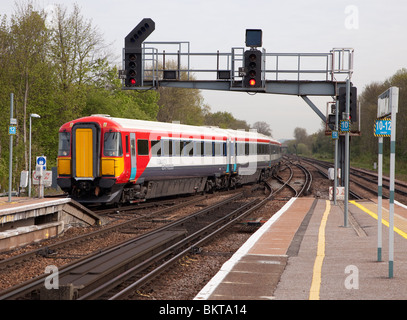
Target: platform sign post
41,166
10,169
387,104
336,151
345,125
379,200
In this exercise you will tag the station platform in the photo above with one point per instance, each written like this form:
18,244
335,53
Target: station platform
24,220
304,252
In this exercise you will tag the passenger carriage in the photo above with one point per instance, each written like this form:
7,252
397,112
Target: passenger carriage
102,159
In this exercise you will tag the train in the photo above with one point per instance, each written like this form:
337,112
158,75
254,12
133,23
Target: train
108,160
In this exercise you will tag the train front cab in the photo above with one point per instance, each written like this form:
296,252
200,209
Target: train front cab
88,167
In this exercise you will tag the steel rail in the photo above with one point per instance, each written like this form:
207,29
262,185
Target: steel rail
240,212
45,251
285,183
188,242
308,180
34,284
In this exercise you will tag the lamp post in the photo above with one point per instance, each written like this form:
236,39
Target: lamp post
32,115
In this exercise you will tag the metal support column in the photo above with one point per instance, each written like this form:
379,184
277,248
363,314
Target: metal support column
347,166
391,189
387,104
336,152
379,200
10,168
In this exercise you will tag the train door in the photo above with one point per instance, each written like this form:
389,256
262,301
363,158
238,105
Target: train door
233,152
85,151
133,156
229,155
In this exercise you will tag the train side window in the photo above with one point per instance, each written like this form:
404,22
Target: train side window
208,149
260,148
189,145
64,147
225,150
176,148
112,144
142,147
127,144
182,148
240,149
187,148
200,149
218,148
167,148
155,148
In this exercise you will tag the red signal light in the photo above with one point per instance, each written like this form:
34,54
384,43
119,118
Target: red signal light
133,81
252,82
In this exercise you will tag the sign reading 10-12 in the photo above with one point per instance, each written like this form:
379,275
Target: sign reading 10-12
382,128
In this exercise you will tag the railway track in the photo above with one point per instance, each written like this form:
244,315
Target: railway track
363,179
49,250
174,231
225,223
296,178
91,277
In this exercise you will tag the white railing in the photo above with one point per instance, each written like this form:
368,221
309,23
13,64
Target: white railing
336,65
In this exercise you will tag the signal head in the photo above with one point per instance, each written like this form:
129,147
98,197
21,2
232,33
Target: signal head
252,64
133,67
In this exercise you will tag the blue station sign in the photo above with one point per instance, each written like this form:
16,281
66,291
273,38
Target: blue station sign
345,125
12,130
382,128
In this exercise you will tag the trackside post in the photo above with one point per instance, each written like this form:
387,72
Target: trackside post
387,104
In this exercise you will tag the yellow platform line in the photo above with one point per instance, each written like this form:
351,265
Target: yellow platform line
374,215
316,276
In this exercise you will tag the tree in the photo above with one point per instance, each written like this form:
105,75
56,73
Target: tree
108,98
263,127
179,104
58,66
322,144
28,65
225,120
300,134
183,105
76,47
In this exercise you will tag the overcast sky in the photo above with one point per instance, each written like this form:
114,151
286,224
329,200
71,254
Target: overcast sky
376,29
